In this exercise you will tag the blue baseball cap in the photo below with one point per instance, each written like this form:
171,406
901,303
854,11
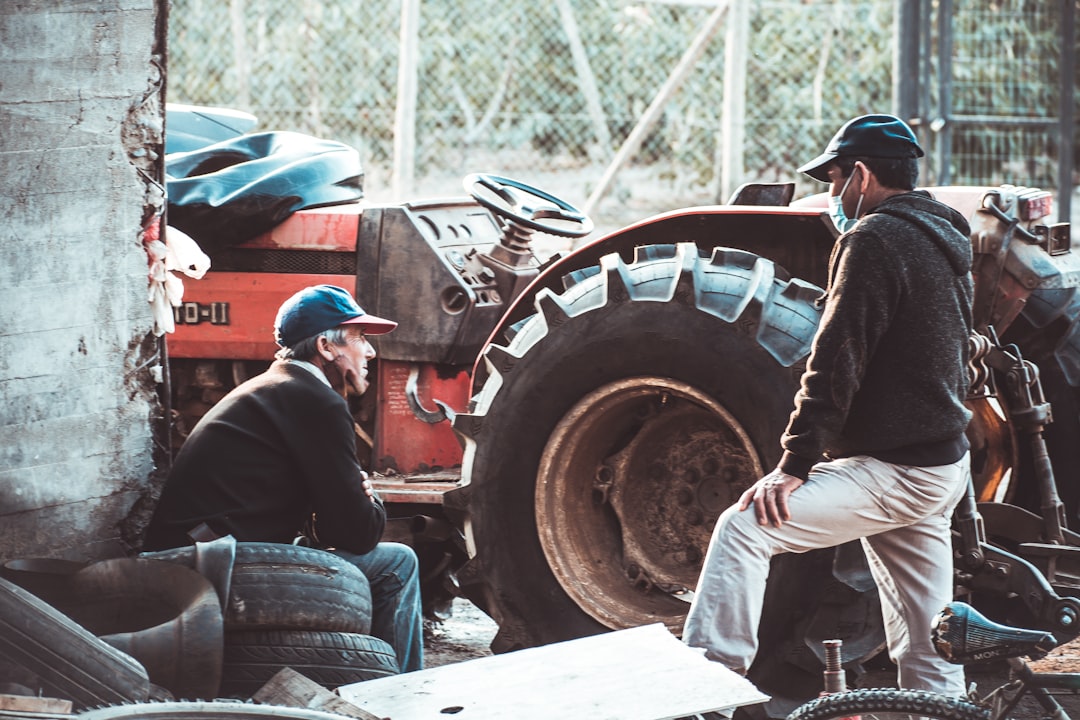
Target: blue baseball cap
320,308
878,136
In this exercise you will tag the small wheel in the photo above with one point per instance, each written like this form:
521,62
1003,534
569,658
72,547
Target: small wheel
889,704
528,206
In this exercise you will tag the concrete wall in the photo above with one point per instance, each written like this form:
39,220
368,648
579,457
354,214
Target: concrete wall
81,98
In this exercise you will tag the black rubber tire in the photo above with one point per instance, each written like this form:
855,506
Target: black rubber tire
330,659
289,587
889,704
208,710
63,657
731,324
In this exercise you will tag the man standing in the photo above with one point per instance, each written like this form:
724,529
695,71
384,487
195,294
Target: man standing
875,447
278,455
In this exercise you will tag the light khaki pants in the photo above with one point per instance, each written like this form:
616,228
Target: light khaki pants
901,513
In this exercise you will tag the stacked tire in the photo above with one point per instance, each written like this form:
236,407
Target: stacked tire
118,630
297,607
59,657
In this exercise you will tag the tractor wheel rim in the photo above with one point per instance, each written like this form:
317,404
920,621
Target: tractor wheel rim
629,487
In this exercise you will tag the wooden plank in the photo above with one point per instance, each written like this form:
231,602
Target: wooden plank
291,689
642,673
16,704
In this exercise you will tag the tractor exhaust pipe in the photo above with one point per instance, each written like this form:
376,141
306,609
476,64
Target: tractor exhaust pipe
428,529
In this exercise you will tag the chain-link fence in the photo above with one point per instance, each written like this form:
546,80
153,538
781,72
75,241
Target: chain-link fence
548,92
999,90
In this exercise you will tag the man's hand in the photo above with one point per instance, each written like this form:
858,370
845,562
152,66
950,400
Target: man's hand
366,484
769,496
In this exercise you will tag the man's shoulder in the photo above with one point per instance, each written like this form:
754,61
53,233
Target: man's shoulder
879,227
283,372
289,384
300,380
870,236
920,208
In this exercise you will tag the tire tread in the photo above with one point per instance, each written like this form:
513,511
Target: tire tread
277,586
69,661
329,658
667,290
869,701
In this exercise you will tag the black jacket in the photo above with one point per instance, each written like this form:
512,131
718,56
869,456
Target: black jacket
887,375
276,449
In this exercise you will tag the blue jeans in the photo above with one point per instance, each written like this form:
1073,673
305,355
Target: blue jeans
392,569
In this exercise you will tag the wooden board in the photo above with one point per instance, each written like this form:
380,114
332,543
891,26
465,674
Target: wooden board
291,689
642,673
24,706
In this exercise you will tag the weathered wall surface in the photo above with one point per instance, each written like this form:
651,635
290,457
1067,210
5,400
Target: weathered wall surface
80,113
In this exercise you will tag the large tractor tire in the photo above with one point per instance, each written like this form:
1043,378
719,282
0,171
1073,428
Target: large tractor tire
613,429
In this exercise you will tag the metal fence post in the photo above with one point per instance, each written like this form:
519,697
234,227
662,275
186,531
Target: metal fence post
944,124
733,112
1066,115
906,60
405,113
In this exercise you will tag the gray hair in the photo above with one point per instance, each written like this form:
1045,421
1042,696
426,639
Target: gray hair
308,348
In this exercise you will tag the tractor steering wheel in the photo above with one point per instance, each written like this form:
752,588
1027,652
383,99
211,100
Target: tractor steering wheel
525,205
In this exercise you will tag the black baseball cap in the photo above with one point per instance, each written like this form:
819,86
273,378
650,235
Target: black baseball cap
880,136
320,308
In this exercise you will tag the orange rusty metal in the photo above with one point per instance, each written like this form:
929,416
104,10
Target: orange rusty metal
404,443
244,329
333,228
231,314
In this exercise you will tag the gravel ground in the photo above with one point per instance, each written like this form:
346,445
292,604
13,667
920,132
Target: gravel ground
467,634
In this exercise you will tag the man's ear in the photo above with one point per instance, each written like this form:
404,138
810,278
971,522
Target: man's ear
865,175
325,350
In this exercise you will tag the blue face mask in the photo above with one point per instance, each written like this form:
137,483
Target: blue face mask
836,208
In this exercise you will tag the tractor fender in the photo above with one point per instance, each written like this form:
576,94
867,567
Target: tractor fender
798,238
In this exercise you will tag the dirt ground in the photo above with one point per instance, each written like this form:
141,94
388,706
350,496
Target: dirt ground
466,635
1064,659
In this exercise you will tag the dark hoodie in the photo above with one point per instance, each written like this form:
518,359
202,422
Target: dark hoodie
887,375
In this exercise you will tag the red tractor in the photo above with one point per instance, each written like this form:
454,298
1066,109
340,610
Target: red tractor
557,439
